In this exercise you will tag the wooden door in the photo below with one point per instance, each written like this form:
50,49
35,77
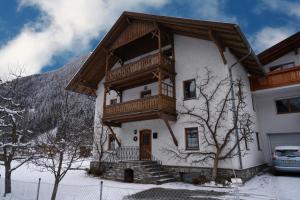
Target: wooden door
145,144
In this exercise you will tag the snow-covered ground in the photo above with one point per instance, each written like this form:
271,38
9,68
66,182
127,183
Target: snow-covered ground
77,185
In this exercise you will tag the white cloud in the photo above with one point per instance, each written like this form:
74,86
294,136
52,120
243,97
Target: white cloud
64,26
213,10
269,36
290,8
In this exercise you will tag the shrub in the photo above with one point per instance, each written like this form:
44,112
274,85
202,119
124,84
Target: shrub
95,172
200,180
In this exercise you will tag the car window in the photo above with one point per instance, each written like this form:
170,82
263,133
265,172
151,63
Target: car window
288,153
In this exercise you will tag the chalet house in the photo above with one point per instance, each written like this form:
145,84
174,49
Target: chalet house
146,67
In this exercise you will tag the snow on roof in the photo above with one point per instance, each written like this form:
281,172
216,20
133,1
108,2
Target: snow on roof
287,148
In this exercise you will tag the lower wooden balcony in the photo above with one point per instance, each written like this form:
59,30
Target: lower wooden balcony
153,107
275,79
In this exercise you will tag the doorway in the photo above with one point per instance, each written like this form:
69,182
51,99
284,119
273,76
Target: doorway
145,144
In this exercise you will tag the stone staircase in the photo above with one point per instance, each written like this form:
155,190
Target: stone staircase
143,172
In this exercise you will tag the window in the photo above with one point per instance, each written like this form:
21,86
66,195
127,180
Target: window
282,66
189,88
111,142
257,141
113,101
192,138
291,105
145,93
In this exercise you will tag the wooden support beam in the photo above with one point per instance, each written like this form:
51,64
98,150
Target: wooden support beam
218,43
114,135
88,84
171,131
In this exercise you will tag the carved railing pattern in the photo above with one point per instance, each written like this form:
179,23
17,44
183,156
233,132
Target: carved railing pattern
152,103
139,66
276,79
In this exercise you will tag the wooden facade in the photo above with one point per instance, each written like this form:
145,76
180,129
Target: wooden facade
154,67
274,79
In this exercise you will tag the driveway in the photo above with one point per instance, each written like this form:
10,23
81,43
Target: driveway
268,186
264,187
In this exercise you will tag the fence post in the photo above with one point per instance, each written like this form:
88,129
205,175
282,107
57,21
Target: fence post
101,188
38,189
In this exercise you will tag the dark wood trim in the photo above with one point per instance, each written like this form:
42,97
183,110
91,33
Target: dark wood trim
213,36
114,135
171,132
186,140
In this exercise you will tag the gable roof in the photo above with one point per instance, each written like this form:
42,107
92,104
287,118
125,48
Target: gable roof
86,79
280,49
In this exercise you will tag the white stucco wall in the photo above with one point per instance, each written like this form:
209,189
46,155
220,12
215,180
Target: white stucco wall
192,56
269,121
253,156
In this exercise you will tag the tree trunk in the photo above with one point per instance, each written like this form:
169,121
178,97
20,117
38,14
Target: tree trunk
215,168
55,188
7,178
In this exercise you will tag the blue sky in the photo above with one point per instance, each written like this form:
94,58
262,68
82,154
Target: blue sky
42,35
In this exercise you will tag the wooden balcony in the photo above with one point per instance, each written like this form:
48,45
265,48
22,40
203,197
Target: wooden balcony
141,109
139,72
274,79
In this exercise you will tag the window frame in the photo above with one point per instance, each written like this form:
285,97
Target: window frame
183,85
186,138
258,141
289,105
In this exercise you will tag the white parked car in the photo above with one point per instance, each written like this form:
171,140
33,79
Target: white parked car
287,159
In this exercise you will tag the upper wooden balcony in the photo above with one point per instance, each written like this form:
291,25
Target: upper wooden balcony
139,72
152,107
274,79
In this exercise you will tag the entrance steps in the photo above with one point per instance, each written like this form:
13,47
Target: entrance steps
143,172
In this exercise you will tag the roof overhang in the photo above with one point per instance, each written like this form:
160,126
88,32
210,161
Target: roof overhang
227,34
278,50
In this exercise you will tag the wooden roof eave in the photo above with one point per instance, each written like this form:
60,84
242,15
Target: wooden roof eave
193,28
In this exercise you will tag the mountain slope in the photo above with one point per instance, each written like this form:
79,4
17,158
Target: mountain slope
43,93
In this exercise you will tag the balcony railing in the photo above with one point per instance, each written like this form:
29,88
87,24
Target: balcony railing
142,65
158,103
276,79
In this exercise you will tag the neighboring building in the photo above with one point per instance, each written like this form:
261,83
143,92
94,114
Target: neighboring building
277,95
145,68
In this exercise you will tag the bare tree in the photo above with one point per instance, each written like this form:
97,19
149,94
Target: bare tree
15,145
221,126
59,152
100,141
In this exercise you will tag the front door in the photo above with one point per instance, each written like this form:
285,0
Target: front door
145,145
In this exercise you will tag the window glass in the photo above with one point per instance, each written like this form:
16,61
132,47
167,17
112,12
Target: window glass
295,105
113,101
189,89
288,105
282,106
257,141
192,138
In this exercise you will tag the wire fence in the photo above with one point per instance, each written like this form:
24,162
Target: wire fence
40,190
